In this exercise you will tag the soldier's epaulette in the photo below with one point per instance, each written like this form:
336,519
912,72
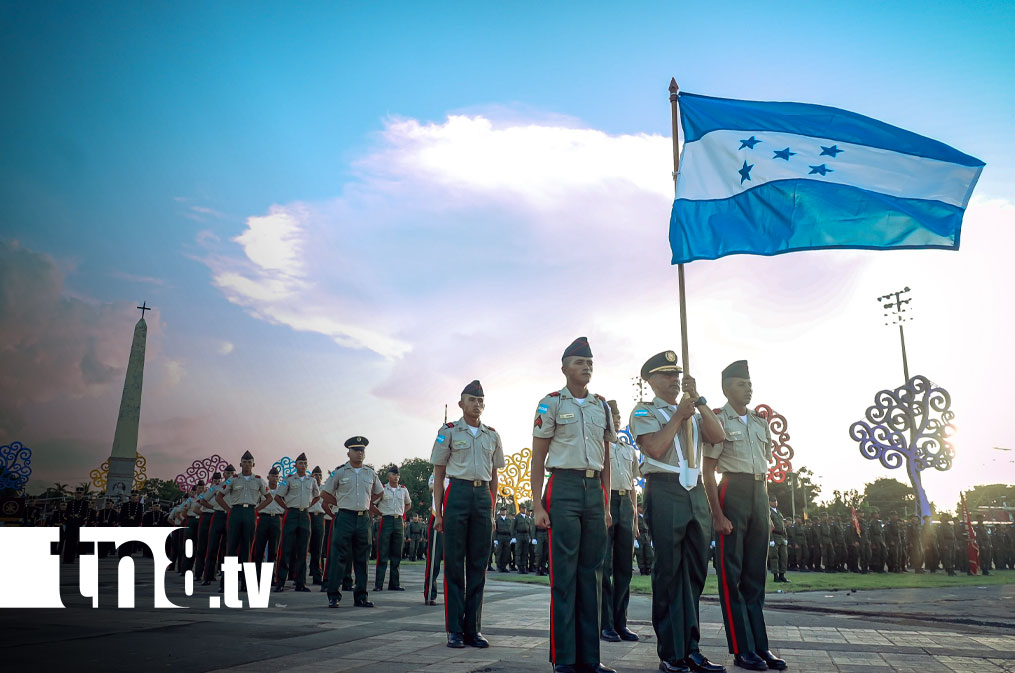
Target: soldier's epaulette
449,425
491,428
554,394
257,476
601,398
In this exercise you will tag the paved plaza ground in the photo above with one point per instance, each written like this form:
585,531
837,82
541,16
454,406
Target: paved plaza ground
908,630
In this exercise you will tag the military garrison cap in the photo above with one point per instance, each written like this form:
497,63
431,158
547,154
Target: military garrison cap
613,407
393,469
214,476
737,370
247,456
273,471
200,482
356,442
302,457
578,348
317,470
230,468
660,362
475,389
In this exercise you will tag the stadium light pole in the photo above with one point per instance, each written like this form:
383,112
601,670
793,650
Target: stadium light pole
895,308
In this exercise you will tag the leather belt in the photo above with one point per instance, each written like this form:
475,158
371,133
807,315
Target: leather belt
475,483
747,475
622,491
588,474
273,515
353,511
298,509
242,505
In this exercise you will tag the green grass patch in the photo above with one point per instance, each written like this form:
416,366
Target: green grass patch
818,581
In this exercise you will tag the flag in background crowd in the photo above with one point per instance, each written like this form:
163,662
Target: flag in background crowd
972,547
768,177
856,521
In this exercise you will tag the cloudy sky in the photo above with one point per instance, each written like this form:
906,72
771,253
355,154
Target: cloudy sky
342,214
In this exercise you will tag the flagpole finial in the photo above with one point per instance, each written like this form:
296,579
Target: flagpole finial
673,85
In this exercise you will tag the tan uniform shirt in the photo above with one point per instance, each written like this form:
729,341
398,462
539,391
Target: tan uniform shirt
273,507
434,494
353,490
623,467
466,456
317,507
747,448
650,417
209,497
194,509
297,492
240,490
576,431
394,501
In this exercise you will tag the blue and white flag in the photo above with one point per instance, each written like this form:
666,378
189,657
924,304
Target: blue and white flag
765,178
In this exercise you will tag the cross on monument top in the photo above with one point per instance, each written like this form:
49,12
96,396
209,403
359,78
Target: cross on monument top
144,307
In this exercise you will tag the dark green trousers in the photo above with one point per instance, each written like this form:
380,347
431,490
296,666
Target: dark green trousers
743,555
434,556
618,564
269,530
681,526
240,524
503,550
468,522
216,544
316,544
350,534
193,523
390,538
542,549
201,554
577,508
292,558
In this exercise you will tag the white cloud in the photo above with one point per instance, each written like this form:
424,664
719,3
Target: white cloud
225,347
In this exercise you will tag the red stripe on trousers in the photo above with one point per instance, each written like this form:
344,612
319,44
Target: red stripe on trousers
444,509
380,529
549,532
725,582
327,560
281,538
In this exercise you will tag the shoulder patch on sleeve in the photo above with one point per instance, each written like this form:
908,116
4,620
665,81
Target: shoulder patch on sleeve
554,394
441,438
641,412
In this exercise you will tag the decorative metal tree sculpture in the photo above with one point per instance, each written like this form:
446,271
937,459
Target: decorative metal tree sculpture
782,453
286,466
15,466
911,425
100,475
513,478
200,469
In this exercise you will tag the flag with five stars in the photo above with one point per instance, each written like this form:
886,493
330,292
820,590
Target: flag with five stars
766,178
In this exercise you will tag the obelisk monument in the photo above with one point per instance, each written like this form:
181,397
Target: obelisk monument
120,479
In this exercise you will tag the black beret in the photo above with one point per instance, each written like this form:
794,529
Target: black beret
737,370
214,476
393,469
475,389
302,457
660,362
200,482
273,470
578,348
317,470
247,456
356,442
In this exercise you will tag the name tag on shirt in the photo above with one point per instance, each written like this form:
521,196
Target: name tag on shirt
563,416
735,435
461,444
